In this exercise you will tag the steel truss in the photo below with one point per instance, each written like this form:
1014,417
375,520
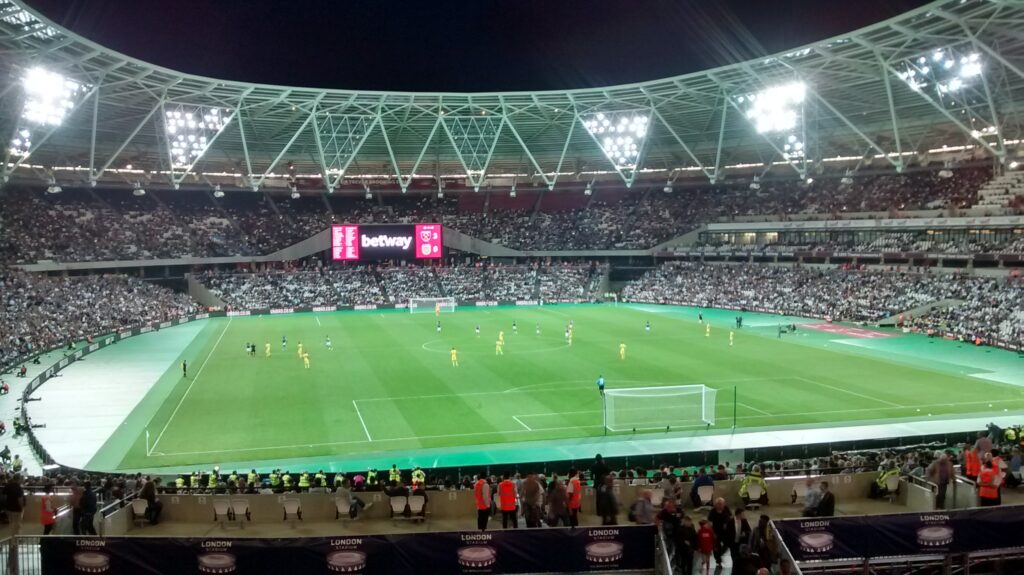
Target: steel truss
857,105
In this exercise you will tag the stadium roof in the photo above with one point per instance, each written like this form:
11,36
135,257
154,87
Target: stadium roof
948,74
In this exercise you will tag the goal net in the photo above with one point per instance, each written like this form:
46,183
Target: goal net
648,408
431,304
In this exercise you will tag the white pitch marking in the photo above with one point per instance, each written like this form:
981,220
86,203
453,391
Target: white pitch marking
367,431
811,381
189,388
521,423
317,319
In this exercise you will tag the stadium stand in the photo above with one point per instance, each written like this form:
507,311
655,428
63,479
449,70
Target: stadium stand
40,313
100,225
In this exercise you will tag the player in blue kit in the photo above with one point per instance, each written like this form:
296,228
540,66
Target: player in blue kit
600,384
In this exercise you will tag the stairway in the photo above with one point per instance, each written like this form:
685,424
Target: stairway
998,191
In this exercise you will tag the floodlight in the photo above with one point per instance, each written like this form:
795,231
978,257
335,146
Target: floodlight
512,193
756,183
189,131
619,135
440,194
138,190
49,97
775,109
809,180
217,192
1014,164
54,189
589,190
369,196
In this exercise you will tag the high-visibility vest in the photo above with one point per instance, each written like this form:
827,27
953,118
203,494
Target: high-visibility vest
371,477
481,492
419,476
212,481
394,474
577,493
233,478
304,480
194,480
972,463
987,488
338,479
287,480
321,479
507,495
275,479
252,479
179,482
886,475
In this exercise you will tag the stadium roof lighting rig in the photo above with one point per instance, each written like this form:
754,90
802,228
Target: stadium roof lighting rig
49,98
190,131
777,113
954,79
621,135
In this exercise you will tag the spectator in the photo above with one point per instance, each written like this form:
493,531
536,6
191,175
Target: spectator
707,543
507,498
939,472
47,510
154,505
88,504
738,535
762,543
558,511
607,505
687,544
720,519
702,479
827,505
14,503
642,510
533,500
811,499
988,485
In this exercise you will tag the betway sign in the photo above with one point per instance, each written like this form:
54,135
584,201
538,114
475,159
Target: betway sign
355,242
386,241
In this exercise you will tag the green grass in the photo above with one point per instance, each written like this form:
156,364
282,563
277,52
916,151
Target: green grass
389,385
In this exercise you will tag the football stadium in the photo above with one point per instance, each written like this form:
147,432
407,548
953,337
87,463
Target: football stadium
763,317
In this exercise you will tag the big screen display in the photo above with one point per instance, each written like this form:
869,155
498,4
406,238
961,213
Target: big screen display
354,242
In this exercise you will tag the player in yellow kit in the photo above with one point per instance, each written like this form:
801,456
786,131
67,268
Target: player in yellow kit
266,349
731,336
498,347
455,357
622,351
300,350
707,329
501,336
305,360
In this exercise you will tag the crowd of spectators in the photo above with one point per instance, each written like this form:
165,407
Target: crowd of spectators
96,225
904,242
357,285
838,294
992,311
39,312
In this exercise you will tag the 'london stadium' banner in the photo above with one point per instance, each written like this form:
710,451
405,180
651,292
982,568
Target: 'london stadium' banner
903,534
520,551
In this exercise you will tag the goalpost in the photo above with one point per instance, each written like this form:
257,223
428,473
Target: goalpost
666,407
431,304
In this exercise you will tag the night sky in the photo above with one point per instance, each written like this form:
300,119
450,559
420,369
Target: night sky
457,45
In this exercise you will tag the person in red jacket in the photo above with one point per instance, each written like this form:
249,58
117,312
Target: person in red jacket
988,485
507,501
482,496
705,545
575,492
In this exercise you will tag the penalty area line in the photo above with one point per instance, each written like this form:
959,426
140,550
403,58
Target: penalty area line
366,431
520,422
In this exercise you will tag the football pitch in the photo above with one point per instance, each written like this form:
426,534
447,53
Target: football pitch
389,386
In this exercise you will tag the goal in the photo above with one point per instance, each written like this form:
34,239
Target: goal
429,304
649,408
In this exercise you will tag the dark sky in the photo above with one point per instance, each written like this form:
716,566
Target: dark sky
457,45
